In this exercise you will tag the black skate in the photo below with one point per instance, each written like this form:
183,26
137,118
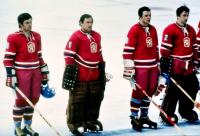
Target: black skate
136,125
173,118
28,130
190,116
79,131
19,132
146,121
94,126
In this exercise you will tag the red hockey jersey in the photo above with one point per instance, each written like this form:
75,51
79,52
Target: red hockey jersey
85,50
179,43
142,46
198,39
23,52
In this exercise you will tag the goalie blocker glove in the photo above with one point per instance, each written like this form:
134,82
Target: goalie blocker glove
70,77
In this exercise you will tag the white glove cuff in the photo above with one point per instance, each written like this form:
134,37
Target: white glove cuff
161,80
128,63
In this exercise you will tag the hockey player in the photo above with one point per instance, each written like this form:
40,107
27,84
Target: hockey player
84,77
141,64
198,39
179,60
26,70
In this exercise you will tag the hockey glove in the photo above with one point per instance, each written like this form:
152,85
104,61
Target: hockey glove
11,80
108,77
45,74
129,70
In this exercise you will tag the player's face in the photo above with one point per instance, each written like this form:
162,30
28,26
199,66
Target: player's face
86,26
27,25
146,17
183,17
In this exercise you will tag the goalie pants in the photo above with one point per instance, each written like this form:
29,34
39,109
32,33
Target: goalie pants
84,103
174,94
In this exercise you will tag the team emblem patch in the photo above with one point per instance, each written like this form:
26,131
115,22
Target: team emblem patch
31,47
149,42
93,47
186,42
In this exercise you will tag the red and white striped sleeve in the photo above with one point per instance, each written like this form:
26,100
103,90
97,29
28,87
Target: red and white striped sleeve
70,50
166,45
10,52
132,40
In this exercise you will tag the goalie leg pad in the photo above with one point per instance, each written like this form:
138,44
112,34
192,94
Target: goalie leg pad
95,97
170,100
70,77
76,106
190,85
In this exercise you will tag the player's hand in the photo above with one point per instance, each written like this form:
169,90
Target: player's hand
45,74
129,72
11,82
108,77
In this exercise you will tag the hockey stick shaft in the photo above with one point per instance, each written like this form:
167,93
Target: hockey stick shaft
161,110
189,97
32,105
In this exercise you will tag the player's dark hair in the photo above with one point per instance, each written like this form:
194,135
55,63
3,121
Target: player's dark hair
22,17
142,9
182,9
84,16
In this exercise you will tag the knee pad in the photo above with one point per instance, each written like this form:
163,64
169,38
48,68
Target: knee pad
20,103
34,100
137,94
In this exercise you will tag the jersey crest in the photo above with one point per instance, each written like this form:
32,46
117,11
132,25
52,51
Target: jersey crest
149,42
186,42
93,47
31,47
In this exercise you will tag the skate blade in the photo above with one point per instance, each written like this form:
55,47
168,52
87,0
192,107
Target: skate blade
149,126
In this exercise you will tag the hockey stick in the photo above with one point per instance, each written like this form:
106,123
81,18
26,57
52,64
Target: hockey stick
32,105
161,110
196,104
